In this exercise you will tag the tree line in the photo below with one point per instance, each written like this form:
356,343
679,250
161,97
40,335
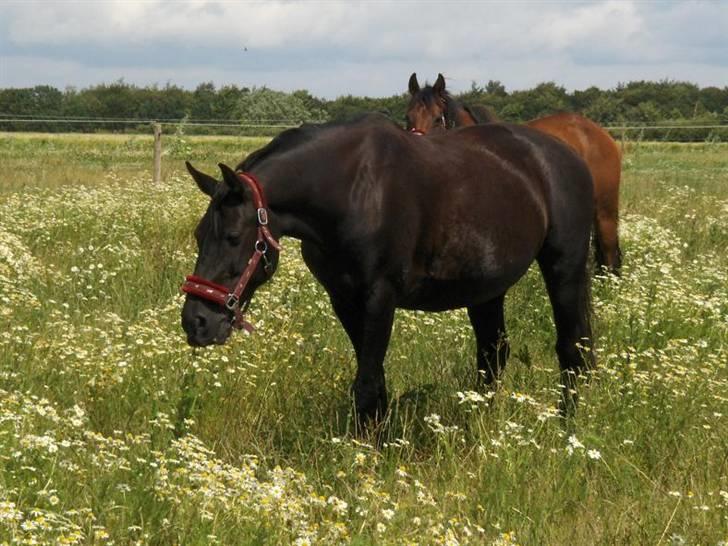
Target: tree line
231,109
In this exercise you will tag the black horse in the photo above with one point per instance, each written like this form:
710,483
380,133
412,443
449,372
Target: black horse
388,219
433,108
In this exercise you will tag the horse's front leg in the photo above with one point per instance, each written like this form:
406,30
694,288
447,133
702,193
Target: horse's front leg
491,339
366,315
369,389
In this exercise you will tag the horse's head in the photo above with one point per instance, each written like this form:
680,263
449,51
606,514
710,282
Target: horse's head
428,105
236,254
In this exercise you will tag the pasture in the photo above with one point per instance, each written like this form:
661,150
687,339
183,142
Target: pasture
113,430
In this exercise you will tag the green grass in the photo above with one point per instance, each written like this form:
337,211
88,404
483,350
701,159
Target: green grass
53,160
113,430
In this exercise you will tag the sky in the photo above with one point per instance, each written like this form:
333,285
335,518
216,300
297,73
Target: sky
370,48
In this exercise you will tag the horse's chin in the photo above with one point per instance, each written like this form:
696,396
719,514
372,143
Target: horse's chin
219,338
223,335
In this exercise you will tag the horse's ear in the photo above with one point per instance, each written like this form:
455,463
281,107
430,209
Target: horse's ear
231,179
439,87
414,85
205,182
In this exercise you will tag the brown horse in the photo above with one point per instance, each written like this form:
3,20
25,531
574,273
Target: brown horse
386,222
433,107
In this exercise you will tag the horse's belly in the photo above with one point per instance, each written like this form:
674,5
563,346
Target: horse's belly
429,294
469,268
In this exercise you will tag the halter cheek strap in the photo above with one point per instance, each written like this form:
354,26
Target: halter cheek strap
221,295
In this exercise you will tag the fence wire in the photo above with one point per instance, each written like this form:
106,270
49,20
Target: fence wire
14,122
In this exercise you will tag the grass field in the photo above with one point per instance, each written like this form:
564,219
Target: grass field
114,431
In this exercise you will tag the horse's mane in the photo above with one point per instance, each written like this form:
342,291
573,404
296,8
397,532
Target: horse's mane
293,138
451,106
480,113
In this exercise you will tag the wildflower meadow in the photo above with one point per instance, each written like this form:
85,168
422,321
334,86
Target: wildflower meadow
114,431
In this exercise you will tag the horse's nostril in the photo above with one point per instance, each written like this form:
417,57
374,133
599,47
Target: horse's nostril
200,322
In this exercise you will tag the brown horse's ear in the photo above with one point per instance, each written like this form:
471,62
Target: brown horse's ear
439,87
231,179
414,85
205,182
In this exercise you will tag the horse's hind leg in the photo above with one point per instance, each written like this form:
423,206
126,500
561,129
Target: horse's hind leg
567,283
490,336
606,216
607,250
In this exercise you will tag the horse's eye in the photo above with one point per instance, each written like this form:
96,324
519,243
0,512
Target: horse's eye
233,238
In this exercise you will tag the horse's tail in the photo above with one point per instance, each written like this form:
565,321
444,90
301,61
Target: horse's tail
588,318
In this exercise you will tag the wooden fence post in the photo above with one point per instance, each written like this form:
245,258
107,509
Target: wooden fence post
157,152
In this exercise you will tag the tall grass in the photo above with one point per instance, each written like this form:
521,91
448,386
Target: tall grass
112,430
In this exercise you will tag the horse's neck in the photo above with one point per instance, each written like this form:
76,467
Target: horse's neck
458,115
465,118
299,204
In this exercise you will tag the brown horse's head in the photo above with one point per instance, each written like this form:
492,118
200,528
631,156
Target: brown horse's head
433,108
227,237
428,105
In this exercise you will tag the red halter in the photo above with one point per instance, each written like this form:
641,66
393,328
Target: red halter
217,293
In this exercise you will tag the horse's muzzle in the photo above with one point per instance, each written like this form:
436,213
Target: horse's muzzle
203,327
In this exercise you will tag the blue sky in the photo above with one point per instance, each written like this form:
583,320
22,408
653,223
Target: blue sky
369,47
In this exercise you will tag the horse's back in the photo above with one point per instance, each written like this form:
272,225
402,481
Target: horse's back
554,169
547,159
601,154
588,139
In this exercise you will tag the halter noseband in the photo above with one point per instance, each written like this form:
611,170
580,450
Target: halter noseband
221,295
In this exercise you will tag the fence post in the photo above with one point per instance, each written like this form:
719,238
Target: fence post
157,128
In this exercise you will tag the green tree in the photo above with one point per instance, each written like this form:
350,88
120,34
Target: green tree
267,107
203,100
495,88
714,99
545,98
604,109
226,102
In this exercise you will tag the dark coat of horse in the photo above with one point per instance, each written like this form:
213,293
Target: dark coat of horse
433,107
391,220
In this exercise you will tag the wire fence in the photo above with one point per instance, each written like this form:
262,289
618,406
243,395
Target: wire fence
689,131
80,124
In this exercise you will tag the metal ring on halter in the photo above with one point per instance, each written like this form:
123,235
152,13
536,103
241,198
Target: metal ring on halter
261,246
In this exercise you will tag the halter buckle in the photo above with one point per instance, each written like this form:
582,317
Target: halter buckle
231,302
262,217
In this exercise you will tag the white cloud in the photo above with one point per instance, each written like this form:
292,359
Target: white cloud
611,23
371,47
202,23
